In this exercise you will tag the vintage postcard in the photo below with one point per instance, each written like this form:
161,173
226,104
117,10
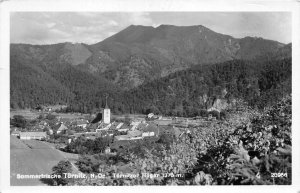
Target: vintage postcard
152,97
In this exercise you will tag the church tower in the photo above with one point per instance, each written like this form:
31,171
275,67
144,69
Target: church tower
106,113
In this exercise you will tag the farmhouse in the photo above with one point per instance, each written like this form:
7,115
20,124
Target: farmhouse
121,137
150,115
131,135
114,125
103,127
82,123
119,125
134,133
62,128
33,135
148,130
134,124
15,133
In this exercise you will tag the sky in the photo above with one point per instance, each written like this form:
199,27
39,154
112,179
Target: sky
93,27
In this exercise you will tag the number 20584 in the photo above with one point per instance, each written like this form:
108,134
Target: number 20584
279,175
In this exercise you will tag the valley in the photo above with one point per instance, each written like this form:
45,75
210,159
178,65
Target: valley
164,105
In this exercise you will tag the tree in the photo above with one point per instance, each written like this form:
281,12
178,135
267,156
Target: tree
61,169
18,121
50,117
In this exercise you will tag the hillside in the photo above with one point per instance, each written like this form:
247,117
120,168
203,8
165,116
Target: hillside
190,92
37,79
137,60
141,54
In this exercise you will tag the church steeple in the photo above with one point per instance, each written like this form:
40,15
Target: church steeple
106,106
106,112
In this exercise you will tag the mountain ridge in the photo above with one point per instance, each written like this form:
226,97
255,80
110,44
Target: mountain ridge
133,57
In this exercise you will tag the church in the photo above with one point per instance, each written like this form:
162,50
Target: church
106,114
103,116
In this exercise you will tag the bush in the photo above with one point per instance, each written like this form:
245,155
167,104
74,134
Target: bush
203,113
60,169
215,114
50,117
223,115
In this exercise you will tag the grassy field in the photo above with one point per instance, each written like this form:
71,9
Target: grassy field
26,113
32,114
34,157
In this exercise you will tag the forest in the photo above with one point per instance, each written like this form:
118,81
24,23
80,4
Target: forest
259,82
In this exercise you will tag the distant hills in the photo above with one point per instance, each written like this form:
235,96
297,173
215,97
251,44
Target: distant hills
136,56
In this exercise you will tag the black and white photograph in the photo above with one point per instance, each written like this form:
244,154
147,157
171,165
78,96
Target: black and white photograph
143,98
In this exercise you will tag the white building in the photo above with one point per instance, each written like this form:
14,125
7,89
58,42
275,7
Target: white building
150,115
33,135
106,115
148,134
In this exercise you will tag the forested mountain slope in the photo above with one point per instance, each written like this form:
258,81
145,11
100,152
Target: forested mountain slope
168,69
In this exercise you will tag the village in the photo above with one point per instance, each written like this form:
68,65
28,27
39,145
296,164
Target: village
63,130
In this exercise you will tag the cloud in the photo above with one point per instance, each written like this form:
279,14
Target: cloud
139,18
51,24
113,23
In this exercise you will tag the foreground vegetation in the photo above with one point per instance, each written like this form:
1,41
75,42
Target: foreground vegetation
251,147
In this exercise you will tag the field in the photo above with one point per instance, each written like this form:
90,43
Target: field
26,113
33,157
32,114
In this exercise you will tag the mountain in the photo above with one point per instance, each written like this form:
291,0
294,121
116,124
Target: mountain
47,75
80,74
141,54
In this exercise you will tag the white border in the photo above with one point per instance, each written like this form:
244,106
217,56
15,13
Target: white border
137,6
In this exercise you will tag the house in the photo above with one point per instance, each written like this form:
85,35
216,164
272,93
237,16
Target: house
121,137
103,127
107,150
134,133
43,123
213,109
50,132
119,125
123,130
62,129
150,115
105,133
114,126
177,132
82,123
33,135
149,130
148,134
131,135
134,124
15,133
